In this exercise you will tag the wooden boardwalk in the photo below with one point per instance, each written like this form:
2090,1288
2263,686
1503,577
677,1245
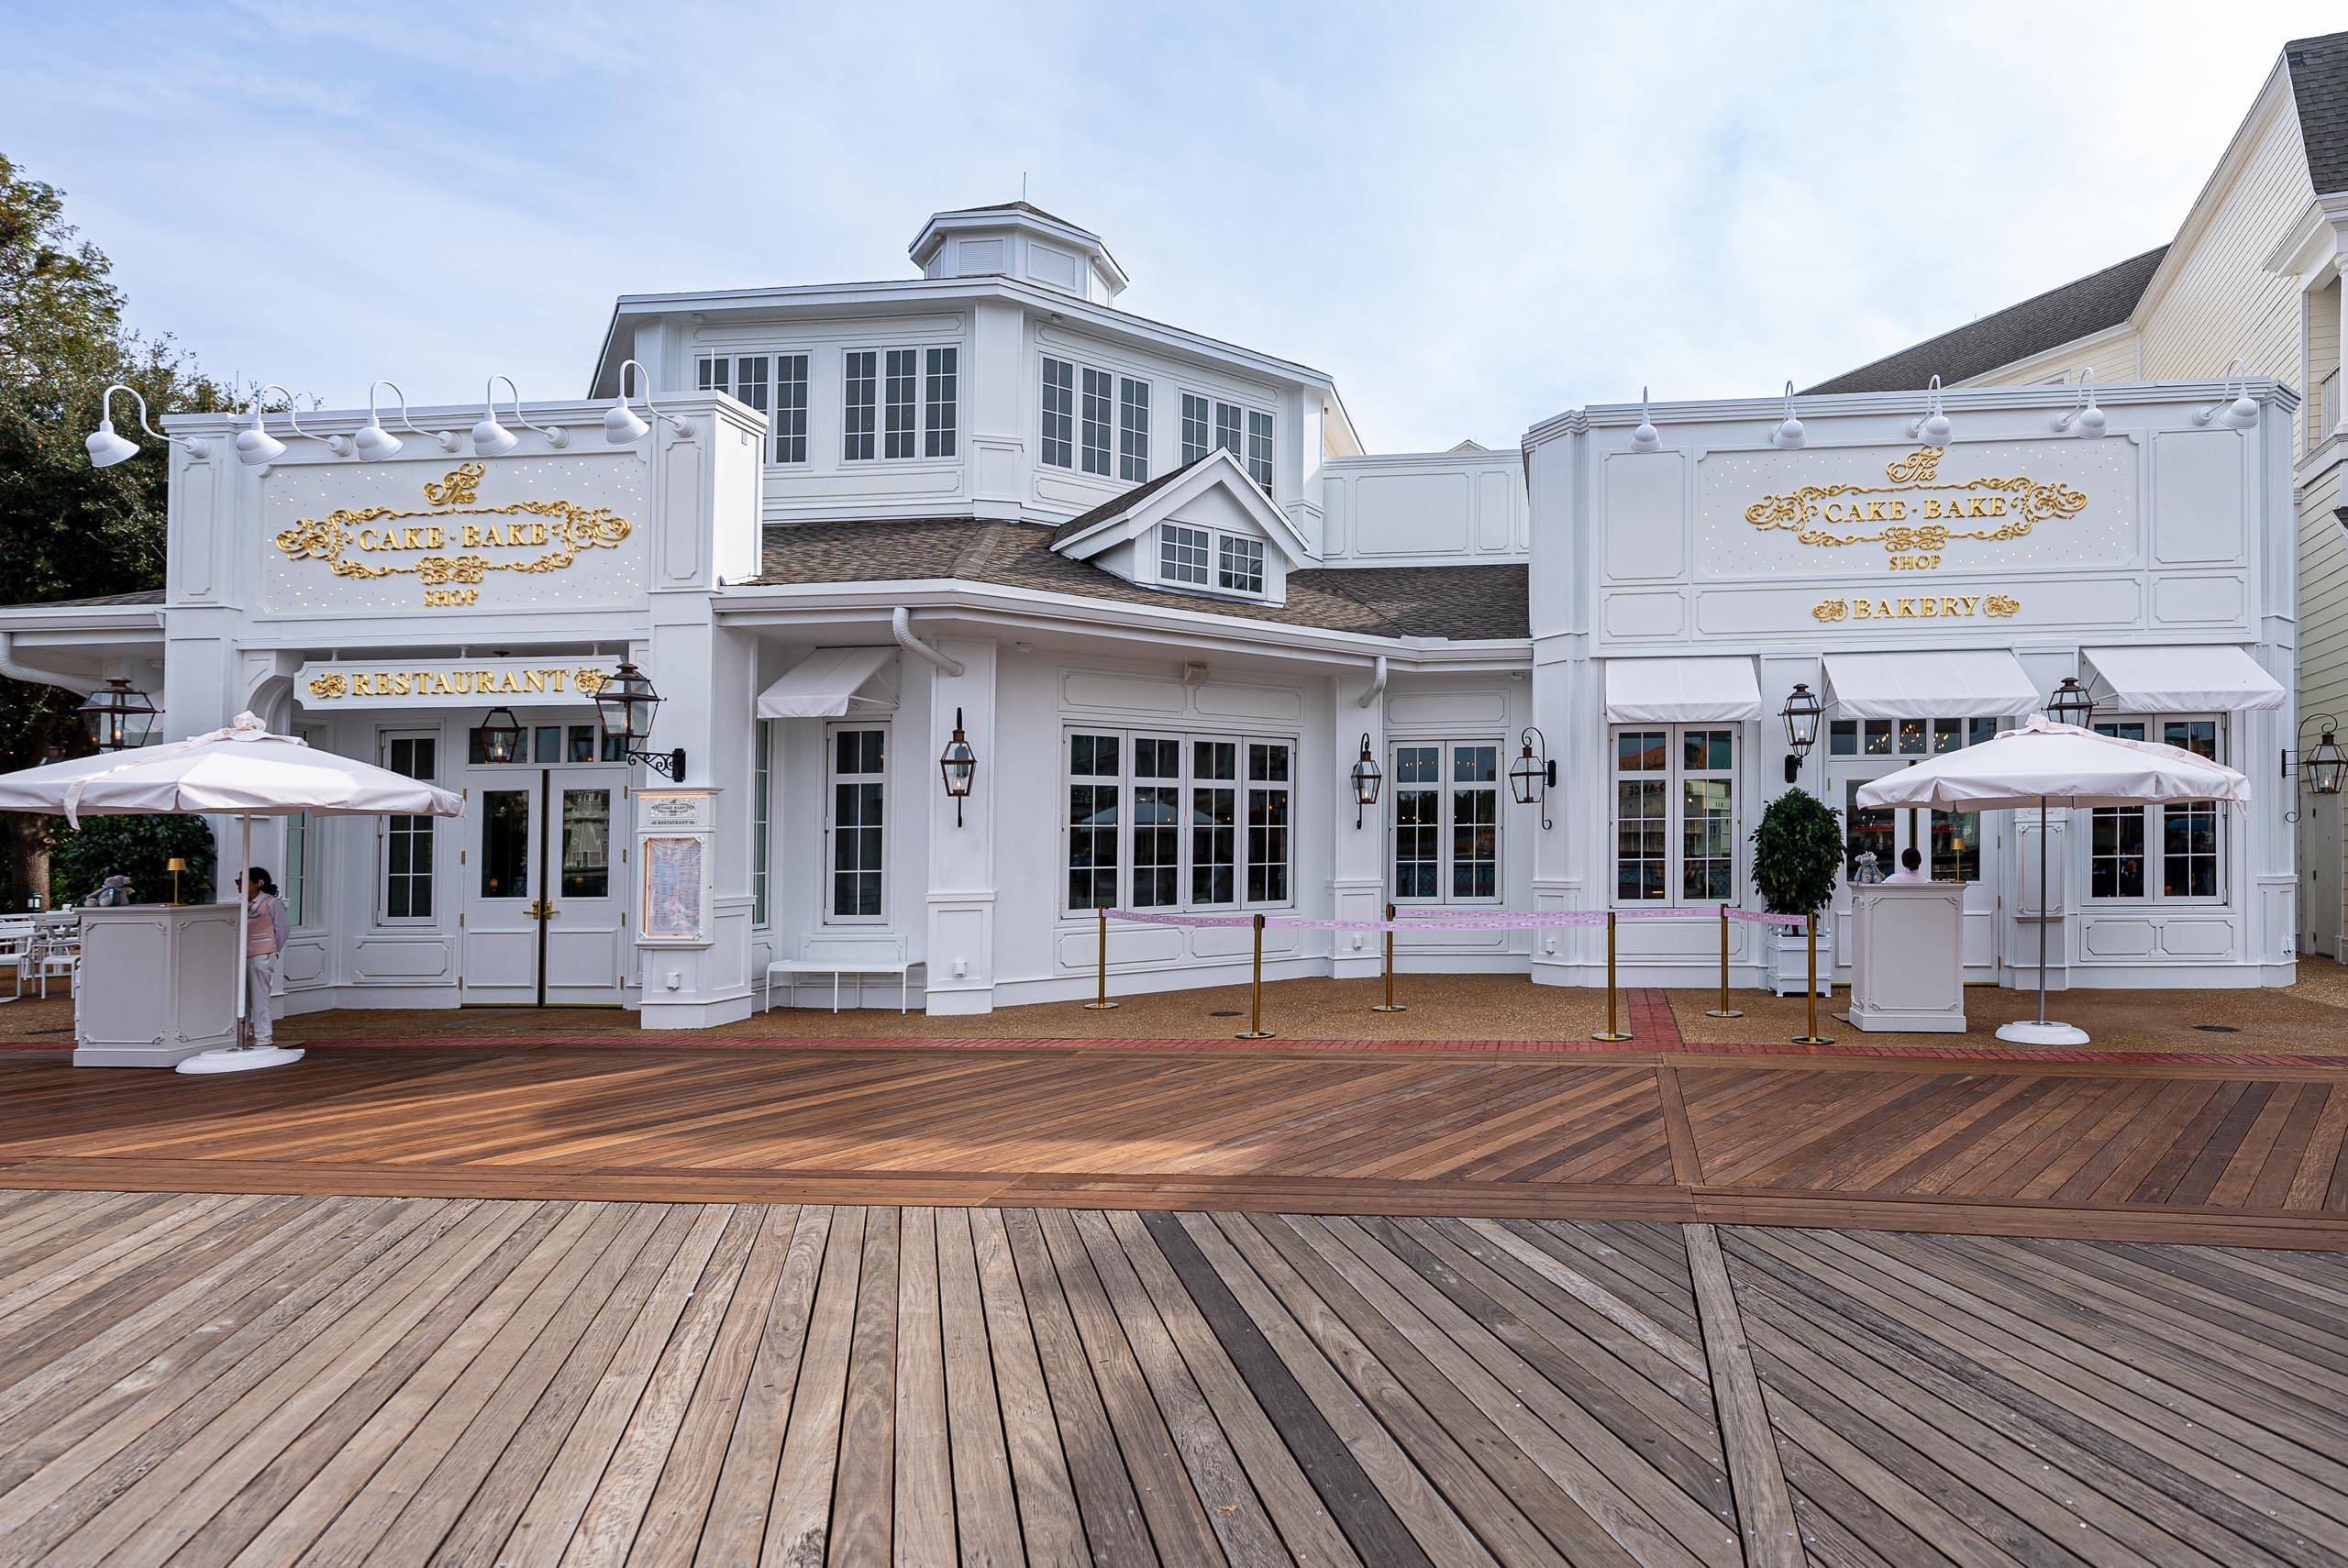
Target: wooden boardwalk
2224,1156
258,1380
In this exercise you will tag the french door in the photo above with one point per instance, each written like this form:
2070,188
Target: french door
545,920
1954,847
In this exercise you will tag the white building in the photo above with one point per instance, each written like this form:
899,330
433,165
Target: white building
1167,599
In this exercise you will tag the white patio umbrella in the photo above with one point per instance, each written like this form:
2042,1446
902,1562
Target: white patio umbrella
2040,762
242,771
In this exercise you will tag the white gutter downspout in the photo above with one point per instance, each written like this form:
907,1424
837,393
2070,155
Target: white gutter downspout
901,624
1376,682
13,670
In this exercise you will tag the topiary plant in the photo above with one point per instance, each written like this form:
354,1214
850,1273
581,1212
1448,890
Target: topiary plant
1797,850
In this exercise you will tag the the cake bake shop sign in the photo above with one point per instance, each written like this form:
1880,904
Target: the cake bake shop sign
452,542
1916,514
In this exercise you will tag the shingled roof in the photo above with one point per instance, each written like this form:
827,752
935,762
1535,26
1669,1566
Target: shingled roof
2319,69
1457,603
2045,321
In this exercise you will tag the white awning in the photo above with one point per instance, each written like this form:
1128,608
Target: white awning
1680,691
1977,683
2199,677
824,683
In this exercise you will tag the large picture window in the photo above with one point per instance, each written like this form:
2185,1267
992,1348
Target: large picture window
1447,838
1675,814
856,825
749,378
895,403
2171,853
405,873
1244,432
1177,821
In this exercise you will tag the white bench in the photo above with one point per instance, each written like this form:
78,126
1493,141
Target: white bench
838,955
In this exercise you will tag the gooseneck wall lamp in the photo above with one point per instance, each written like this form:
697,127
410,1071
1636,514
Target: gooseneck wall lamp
957,766
1932,428
492,439
2083,418
374,443
1367,777
621,424
1788,435
1645,438
1801,713
624,705
1532,777
106,447
2239,411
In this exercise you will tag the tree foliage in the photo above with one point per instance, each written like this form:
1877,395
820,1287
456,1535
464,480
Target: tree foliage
1797,851
137,847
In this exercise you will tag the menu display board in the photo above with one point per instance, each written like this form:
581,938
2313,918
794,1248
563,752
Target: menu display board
673,890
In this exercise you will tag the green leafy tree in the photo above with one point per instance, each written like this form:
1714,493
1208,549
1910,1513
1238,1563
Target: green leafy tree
68,530
140,849
1797,851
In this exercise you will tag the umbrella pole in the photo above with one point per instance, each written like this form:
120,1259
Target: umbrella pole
245,915
2042,908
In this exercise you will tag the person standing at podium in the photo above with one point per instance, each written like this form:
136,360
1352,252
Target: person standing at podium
1912,867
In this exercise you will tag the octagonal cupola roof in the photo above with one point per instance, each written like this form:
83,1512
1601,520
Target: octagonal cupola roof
1014,239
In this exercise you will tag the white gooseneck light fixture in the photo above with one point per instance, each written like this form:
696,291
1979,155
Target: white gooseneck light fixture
2240,412
1788,435
620,424
256,446
1645,438
375,443
2083,417
492,439
106,447
1934,428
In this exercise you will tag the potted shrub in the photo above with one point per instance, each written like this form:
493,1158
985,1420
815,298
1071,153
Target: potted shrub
1797,853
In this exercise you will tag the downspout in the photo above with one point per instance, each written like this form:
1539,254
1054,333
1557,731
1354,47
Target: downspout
901,624
1376,682
13,670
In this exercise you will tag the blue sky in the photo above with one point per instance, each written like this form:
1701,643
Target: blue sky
1473,216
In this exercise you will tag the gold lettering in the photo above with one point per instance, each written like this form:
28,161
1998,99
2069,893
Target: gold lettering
1907,609
1898,511
1861,610
1971,602
538,678
1930,607
512,682
1948,606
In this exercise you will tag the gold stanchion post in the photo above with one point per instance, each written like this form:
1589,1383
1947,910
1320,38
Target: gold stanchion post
1723,1010
1810,992
1101,1002
1256,1030
1389,1004
1613,1029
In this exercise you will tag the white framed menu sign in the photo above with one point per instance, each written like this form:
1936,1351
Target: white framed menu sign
673,830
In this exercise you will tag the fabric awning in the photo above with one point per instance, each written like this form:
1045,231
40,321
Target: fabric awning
824,684
1680,691
2193,678
1974,683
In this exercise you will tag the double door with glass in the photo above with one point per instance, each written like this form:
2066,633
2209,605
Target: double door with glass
545,920
1951,846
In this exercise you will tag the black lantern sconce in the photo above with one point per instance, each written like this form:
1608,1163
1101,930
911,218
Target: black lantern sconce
1367,776
2324,765
1531,777
958,766
2071,703
501,736
120,717
1800,715
625,703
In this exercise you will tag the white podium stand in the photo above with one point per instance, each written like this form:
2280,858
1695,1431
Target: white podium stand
158,983
1907,958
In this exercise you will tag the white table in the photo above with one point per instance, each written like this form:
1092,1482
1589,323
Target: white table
1908,957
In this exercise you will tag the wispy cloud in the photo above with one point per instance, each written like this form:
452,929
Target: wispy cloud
1473,217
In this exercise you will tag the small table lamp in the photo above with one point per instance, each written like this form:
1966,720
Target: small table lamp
175,865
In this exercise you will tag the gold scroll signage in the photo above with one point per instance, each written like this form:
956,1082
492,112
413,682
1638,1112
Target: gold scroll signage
378,541
1925,607
551,681
1916,514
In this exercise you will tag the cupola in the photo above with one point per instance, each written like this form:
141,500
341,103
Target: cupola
1016,240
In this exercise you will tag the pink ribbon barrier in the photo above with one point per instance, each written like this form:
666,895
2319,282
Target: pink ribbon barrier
1457,920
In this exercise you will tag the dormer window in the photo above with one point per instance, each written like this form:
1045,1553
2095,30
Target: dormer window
1239,568
1182,555
1192,556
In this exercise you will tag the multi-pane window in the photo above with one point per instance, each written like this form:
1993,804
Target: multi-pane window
900,402
858,825
1447,844
1228,429
1239,564
940,396
1953,845
1059,413
2174,851
1194,428
1093,426
774,383
1132,429
761,814
860,404
1259,450
1131,796
1675,815
1181,554
406,879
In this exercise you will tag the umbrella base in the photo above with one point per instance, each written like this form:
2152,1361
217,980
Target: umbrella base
240,1059
2029,1032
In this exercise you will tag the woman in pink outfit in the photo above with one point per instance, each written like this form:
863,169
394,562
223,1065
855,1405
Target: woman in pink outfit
264,940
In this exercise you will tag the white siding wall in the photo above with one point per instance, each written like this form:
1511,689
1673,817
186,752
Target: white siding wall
2114,356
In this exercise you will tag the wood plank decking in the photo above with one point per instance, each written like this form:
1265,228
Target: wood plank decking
2145,1153
260,1380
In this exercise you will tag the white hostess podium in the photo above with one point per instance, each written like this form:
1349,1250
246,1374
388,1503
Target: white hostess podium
158,983
1907,958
